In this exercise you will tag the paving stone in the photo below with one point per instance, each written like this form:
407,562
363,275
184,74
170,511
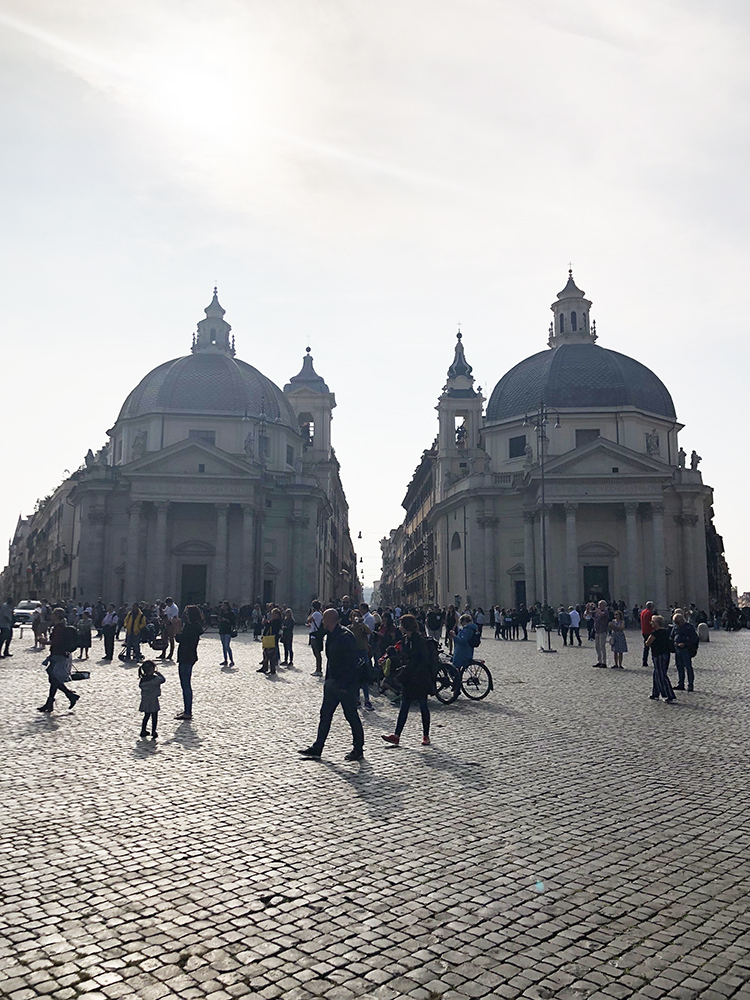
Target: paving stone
416,873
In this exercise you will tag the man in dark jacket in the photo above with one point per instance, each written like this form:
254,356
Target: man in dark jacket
341,686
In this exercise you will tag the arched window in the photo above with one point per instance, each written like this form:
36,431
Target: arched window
213,335
562,323
455,541
573,321
584,316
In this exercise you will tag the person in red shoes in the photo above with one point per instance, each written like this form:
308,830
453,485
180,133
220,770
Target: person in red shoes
416,679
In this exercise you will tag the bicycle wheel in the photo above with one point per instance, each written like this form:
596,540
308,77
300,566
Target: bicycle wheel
476,681
446,688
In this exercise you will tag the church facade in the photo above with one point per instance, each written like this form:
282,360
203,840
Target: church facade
570,486
214,484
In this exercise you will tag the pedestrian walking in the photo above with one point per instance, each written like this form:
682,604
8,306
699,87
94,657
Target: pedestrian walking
361,633
6,626
416,680
647,616
340,688
287,637
317,633
172,627
187,656
150,682
601,628
575,625
227,631
435,619
617,639
685,640
563,624
109,630
58,662
658,642
135,622
271,636
257,622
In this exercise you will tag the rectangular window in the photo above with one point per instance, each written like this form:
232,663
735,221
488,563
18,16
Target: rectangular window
201,467
516,446
289,455
586,436
208,436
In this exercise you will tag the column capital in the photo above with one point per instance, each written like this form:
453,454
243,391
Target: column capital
162,506
222,508
98,516
570,508
248,508
135,507
657,509
631,508
529,516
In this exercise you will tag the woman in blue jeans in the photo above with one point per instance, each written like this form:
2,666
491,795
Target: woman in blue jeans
187,656
226,627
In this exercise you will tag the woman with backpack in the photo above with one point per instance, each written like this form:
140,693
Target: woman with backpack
135,623
61,645
416,679
465,641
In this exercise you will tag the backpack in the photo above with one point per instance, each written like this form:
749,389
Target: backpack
475,639
71,639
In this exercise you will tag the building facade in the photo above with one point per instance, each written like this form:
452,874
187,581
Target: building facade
574,474
214,485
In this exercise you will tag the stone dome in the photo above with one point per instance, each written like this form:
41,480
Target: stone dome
579,375
209,383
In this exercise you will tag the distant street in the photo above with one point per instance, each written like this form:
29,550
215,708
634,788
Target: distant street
565,838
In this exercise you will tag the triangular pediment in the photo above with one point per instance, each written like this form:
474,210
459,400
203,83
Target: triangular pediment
600,458
184,459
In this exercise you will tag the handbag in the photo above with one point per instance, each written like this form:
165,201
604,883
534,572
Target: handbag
269,642
234,633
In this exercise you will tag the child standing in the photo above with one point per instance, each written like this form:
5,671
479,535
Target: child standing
150,683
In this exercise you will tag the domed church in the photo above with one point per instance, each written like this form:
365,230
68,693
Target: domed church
215,484
571,483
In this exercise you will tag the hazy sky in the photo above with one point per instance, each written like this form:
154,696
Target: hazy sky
361,176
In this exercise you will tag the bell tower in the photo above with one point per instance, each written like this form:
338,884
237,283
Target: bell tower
572,323
213,331
459,421
313,402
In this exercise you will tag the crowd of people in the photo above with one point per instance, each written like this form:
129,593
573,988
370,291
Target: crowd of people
387,647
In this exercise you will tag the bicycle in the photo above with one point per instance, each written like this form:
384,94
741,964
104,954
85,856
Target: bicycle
474,680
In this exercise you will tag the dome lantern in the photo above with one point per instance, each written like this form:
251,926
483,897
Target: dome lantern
213,331
571,324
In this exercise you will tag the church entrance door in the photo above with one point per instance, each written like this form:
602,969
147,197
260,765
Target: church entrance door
596,583
520,595
193,584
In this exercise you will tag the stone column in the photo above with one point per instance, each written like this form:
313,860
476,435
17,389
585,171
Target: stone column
528,556
660,567
220,562
160,552
131,565
487,521
688,522
247,569
634,594
300,522
571,554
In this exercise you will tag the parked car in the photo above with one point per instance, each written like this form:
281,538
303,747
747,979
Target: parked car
24,612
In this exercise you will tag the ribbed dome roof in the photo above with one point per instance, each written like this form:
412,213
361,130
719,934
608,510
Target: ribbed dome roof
579,375
209,383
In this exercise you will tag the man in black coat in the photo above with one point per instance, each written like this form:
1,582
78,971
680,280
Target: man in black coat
341,686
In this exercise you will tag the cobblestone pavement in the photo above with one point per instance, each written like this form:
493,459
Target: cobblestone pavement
565,838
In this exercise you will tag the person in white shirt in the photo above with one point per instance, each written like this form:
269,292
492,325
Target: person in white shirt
315,623
575,626
369,619
171,613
